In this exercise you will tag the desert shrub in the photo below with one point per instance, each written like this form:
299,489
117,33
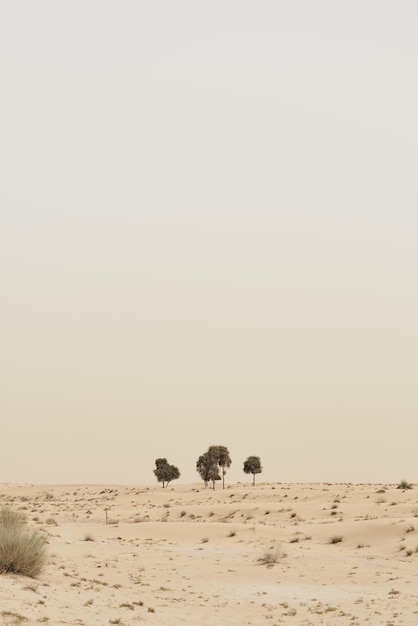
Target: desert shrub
271,556
336,539
22,551
404,484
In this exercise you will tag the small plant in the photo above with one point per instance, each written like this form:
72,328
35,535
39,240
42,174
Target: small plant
13,618
336,539
22,551
404,484
88,537
271,556
232,533
204,540
291,612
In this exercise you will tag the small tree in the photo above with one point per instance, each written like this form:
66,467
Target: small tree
221,453
253,466
207,467
165,472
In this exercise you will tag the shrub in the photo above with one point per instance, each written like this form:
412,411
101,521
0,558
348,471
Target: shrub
404,484
271,556
336,539
22,551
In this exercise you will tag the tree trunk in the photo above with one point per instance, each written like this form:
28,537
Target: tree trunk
213,483
223,478
253,480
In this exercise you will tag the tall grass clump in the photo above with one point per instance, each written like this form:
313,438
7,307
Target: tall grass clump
271,556
22,551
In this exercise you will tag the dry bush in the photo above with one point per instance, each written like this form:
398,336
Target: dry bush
336,539
22,551
404,484
271,556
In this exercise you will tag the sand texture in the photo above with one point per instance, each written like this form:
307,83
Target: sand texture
190,555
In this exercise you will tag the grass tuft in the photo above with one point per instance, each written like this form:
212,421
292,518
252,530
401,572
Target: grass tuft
22,551
271,556
336,539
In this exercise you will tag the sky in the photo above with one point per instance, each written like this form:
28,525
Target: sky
208,236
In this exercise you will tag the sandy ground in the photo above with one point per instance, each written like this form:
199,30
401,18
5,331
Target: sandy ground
190,555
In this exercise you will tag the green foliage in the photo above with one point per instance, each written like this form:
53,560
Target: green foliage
165,472
211,465
221,453
253,466
22,551
207,468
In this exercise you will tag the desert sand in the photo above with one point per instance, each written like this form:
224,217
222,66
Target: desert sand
190,555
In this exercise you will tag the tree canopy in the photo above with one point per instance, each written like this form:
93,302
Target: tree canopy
207,467
210,463
165,472
253,466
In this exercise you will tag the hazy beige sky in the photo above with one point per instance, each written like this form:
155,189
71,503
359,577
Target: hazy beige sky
208,235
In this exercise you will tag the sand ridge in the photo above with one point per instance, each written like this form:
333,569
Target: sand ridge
190,555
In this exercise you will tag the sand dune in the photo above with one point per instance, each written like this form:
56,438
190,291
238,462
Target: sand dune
190,555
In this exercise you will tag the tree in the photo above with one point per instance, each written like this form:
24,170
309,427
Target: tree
207,467
165,472
253,466
209,464
221,453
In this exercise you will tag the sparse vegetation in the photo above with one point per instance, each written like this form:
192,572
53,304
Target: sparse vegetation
22,551
271,556
336,539
404,484
12,618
